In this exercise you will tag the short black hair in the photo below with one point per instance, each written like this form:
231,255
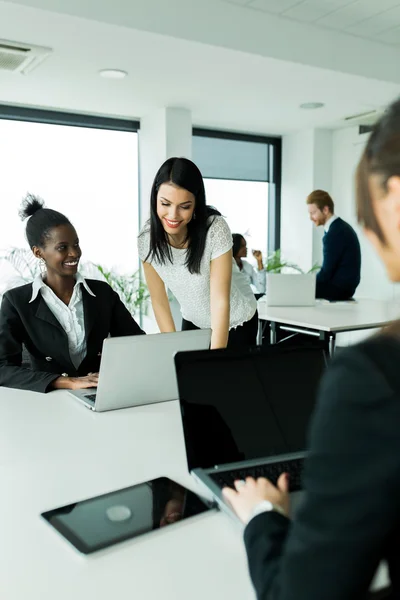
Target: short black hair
183,173
237,242
41,220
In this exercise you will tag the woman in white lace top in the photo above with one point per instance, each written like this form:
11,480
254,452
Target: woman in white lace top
187,247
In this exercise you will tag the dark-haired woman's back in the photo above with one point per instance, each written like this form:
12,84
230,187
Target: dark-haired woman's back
350,520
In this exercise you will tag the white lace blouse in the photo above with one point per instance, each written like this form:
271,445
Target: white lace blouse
192,290
71,317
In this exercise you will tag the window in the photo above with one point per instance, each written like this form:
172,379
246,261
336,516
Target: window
89,173
242,180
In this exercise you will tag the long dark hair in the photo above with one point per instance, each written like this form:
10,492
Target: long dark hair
183,173
381,157
237,242
41,220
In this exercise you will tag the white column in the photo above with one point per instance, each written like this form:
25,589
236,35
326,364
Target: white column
164,133
306,166
322,180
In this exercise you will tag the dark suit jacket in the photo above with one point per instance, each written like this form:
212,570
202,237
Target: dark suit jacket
34,326
341,263
350,516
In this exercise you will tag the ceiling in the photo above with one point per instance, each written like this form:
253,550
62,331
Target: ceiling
376,20
227,81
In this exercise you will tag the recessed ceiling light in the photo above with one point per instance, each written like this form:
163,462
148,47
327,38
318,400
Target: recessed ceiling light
113,73
312,105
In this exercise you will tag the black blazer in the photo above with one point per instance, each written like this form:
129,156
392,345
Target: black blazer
350,517
341,265
34,326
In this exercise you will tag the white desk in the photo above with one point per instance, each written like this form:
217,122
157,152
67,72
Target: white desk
326,319
54,451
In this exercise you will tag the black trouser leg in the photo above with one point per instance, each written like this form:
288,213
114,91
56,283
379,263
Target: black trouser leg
244,335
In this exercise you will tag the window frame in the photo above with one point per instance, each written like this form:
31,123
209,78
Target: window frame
275,168
55,117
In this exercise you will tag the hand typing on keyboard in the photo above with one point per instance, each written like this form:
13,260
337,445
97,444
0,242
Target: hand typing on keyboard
248,494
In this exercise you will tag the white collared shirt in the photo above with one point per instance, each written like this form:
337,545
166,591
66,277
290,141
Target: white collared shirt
71,317
329,223
255,278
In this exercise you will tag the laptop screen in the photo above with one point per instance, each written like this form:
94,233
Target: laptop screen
246,404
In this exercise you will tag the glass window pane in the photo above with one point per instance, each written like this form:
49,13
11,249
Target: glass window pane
231,159
244,204
91,175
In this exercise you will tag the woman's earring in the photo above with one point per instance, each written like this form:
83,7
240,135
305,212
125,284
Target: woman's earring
194,215
42,266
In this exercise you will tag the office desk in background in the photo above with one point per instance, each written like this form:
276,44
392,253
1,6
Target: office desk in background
326,319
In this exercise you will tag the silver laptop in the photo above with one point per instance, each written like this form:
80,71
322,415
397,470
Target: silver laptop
246,413
139,369
290,289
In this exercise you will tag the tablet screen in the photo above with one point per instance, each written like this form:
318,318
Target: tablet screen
105,520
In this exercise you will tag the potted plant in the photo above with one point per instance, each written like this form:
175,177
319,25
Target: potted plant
275,264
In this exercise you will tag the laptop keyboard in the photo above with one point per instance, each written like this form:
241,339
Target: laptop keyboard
90,398
271,471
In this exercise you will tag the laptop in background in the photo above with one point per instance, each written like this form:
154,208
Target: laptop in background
290,289
139,369
246,412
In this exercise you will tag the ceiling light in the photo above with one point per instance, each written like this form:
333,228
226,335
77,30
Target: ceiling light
113,73
311,105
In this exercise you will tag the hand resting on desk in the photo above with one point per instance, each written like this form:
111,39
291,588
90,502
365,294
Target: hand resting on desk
76,383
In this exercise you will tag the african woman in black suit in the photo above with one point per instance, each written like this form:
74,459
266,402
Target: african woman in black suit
61,318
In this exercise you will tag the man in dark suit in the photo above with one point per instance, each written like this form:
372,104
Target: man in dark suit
340,272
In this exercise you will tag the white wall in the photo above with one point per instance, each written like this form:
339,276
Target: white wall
306,165
348,146
297,182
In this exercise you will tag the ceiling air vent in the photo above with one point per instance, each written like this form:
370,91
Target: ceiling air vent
21,58
364,118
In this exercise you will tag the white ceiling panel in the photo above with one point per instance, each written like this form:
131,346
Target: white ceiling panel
358,11
370,28
390,37
311,10
266,101
274,6
240,2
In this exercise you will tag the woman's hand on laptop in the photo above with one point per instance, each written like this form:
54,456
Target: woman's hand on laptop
251,493
76,383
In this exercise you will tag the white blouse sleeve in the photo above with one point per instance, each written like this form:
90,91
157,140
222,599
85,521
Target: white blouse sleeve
143,244
220,237
259,280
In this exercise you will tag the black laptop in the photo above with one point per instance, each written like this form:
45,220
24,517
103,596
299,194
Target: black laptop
246,412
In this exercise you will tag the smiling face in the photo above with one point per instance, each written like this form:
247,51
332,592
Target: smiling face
175,208
317,216
61,252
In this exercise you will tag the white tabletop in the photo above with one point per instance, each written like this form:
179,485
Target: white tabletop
54,451
332,316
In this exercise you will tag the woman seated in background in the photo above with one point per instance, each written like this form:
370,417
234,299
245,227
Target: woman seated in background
255,277
187,246
60,318
349,519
